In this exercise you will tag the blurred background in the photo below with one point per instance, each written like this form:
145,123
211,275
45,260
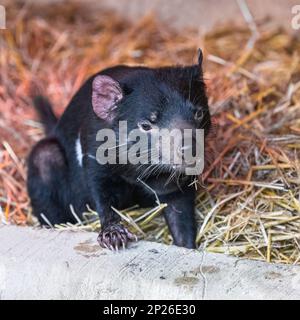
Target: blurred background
249,195
204,14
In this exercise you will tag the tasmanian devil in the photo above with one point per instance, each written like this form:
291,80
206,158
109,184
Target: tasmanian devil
63,169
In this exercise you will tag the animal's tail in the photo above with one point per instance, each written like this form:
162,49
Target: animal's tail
45,112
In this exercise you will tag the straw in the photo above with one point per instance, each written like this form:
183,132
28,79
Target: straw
248,201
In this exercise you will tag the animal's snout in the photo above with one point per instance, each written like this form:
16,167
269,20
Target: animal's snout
182,149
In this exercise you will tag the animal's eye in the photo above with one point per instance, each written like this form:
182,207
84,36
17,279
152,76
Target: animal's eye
199,115
145,125
153,116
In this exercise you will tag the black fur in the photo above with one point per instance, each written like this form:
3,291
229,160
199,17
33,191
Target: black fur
46,114
55,179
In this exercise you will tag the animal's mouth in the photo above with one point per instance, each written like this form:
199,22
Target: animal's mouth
179,168
178,164
182,167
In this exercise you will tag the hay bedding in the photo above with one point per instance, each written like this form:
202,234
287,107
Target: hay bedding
249,196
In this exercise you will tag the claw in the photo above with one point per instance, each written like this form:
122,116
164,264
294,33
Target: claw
114,236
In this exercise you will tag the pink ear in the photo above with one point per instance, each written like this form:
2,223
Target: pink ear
106,94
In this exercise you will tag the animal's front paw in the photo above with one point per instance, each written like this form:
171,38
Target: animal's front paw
115,236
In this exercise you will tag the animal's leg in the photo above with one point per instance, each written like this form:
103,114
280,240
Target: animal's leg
179,215
107,193
47,182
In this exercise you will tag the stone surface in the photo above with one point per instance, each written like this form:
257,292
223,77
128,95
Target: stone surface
47,264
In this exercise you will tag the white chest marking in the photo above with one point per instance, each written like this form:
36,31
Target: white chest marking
78,150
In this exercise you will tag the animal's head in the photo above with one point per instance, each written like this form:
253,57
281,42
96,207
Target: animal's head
154,102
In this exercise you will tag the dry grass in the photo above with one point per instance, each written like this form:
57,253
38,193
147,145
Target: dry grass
249,197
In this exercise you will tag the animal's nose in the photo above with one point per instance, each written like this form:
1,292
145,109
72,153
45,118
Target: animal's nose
182,149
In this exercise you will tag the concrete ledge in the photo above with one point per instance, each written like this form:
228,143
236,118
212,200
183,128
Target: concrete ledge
46,264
